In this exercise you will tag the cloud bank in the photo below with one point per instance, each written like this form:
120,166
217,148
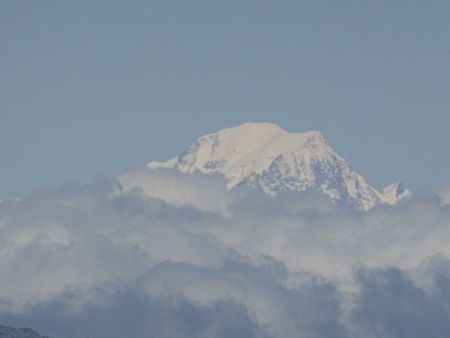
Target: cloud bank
162,254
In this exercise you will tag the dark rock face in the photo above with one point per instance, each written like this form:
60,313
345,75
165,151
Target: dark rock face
10,332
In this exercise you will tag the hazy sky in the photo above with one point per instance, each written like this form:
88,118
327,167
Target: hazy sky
90,88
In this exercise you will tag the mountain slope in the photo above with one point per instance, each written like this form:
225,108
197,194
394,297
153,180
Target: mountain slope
264,155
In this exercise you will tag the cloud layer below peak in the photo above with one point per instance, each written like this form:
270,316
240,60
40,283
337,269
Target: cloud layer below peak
183,257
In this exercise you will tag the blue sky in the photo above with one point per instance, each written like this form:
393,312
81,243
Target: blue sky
89,89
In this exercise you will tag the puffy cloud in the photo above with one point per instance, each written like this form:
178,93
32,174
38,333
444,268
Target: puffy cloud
131,314
203,192
391,305
183,257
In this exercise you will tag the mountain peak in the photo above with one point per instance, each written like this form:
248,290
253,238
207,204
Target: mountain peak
275,160
264,129
239,151
255,126
395,192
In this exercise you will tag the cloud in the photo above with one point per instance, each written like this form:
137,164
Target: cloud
183,257
127,313
204,192
391,305
444,194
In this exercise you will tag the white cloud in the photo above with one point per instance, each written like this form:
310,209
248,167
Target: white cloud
203,192
184,257
444,194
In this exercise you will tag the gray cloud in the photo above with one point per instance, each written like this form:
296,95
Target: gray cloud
391,305
182,257
131,314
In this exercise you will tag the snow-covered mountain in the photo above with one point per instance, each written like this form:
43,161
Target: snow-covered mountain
264,155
